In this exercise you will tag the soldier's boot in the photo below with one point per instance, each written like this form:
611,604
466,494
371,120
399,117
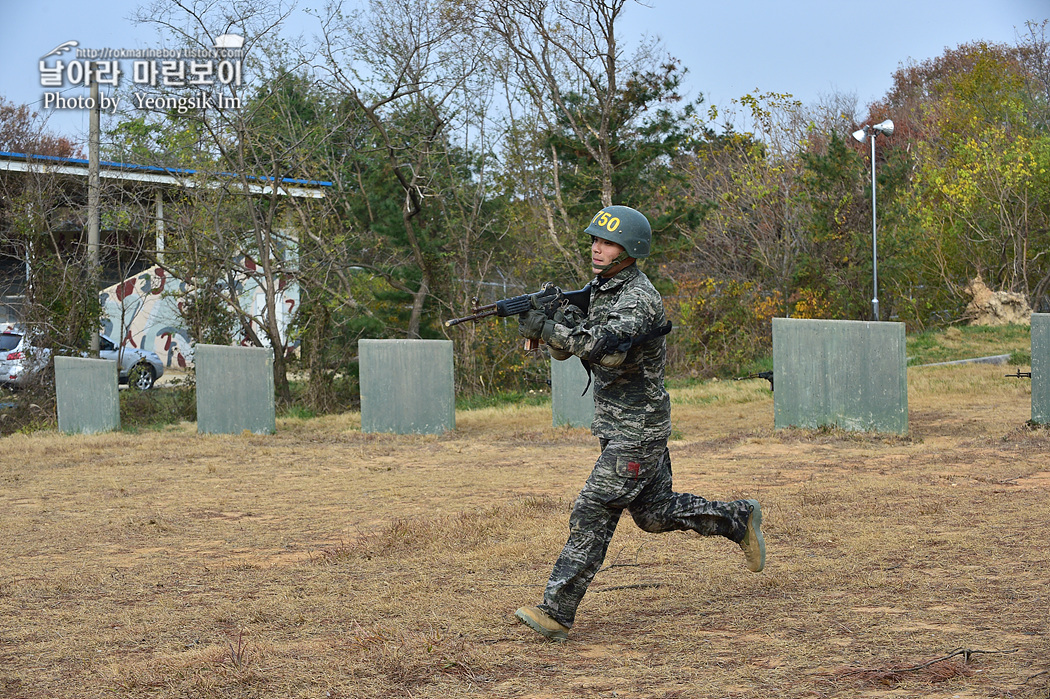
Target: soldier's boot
535,619
753,543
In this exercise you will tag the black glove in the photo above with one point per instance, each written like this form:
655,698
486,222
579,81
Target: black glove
569,315
548,301
531,324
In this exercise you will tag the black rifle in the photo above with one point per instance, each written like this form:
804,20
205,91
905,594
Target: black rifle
549,298
767,375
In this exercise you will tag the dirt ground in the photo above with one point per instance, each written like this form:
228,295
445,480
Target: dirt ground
323,562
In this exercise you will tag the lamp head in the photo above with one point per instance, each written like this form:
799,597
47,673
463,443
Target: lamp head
861,134
885,127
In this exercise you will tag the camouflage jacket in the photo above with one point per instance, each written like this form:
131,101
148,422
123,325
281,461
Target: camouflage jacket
630,401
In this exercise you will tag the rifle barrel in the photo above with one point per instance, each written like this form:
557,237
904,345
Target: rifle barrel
485,312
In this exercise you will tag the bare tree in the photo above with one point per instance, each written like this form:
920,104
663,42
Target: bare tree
565,47
745,181
408,68
44,268
251,165
565,60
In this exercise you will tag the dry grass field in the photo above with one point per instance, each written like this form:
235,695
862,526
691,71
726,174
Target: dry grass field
323,562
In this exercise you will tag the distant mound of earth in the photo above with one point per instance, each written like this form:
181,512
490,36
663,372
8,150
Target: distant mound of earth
989,307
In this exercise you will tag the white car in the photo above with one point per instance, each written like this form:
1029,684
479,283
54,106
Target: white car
138,368
20,361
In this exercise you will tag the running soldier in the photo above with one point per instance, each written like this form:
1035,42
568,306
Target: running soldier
622,340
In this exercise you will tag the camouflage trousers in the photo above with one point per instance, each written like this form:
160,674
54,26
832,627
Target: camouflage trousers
637,478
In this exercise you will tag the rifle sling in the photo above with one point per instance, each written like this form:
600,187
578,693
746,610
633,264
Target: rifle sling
625,346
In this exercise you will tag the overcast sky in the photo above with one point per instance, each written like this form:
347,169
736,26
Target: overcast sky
808,48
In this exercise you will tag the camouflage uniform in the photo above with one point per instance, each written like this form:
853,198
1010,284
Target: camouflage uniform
632,420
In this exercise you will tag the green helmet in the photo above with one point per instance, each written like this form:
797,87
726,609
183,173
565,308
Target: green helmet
624,226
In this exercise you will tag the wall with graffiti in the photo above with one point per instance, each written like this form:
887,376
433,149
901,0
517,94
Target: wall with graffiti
143,311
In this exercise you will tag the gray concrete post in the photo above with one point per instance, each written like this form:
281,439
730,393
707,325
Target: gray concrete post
407,386
844,373
570,405
1041,368
234,389
86,394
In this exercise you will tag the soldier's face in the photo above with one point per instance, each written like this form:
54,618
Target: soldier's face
603,252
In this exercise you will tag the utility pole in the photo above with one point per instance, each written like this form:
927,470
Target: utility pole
93,199
886,129
874,240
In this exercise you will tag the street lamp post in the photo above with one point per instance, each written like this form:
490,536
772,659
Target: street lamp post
885,128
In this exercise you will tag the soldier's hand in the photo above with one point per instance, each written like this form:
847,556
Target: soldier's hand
530,324
548,301
568,315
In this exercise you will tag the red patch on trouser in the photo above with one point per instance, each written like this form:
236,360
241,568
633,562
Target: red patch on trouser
633,468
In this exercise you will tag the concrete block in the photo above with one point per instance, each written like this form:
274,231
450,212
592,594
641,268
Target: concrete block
407,386
570,405
843,373
86,394
1041,368
234,390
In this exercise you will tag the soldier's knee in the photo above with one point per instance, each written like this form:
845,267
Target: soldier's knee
646,522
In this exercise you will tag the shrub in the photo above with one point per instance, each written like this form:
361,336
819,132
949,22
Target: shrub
720,326
158,406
